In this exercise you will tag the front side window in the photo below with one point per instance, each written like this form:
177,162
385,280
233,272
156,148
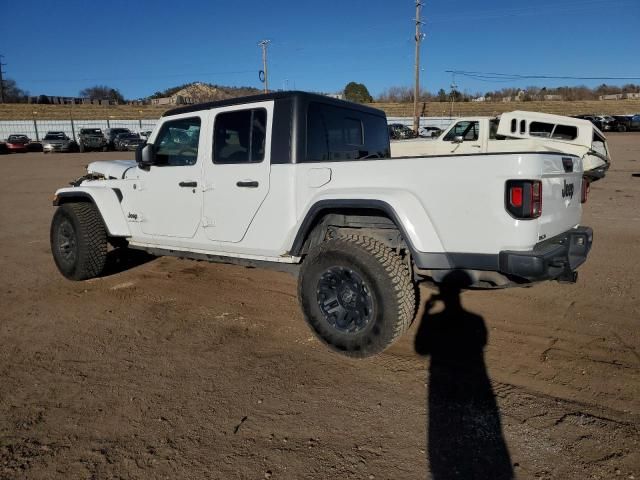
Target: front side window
240,136
335,134
465,129
177,142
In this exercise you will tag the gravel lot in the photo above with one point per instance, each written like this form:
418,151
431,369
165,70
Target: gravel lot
179,369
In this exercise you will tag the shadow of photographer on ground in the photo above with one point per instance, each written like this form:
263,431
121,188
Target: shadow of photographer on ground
464,432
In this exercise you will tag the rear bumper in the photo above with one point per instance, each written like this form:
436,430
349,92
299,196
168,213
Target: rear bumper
553,259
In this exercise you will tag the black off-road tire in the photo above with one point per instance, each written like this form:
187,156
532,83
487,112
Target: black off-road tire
78,241
387,288
81,147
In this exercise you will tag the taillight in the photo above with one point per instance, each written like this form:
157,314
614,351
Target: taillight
584,192
523,198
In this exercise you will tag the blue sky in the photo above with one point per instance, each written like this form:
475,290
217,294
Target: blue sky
60,47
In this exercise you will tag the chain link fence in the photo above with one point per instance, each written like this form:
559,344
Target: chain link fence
36,129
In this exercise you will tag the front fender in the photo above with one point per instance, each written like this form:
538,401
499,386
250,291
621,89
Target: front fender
107,201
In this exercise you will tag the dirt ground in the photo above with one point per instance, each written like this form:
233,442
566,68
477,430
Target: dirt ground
179,369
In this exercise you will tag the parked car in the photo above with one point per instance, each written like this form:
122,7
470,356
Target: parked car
91,139
18,143
358,227
111,133
127,141
606,123
429,132
145,134
58,142
628,123
398,131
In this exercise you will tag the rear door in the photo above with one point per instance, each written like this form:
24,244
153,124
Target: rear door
561,192
236,176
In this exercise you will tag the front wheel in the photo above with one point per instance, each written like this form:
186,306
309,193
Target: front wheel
356,294
78,241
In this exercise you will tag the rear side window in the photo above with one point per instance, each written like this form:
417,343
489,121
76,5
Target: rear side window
565,132
177,142
239,136
540,129
335,134
465,129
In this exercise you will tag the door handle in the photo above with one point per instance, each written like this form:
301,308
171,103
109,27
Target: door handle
248,184
188,184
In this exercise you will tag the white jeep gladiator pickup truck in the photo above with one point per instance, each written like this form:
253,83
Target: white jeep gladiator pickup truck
305,181
517,131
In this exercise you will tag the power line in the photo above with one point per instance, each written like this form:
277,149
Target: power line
493,76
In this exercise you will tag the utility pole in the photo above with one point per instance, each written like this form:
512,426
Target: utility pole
264,44
416,89
1,81
454,92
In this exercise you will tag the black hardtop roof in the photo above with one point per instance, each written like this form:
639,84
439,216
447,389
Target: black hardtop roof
273,96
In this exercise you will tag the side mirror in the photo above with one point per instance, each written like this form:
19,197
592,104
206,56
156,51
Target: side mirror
145,155
458,139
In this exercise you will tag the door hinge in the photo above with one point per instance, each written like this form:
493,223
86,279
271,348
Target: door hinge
207,222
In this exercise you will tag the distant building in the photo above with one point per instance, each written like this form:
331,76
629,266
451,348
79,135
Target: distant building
616,96
173,100
553,98
632,96
339,96
479,99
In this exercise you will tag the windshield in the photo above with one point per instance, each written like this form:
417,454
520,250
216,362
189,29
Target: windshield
55,136
91,131
17,137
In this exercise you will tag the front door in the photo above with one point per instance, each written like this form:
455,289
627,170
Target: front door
236,176
169,197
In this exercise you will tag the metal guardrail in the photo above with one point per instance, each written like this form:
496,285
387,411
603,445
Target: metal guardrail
36,129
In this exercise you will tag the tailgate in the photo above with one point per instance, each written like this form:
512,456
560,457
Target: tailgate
561,195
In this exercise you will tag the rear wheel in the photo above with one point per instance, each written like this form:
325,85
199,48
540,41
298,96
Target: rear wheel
356,294
78,241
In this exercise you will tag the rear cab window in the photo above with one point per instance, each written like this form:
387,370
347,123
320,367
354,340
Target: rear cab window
341,134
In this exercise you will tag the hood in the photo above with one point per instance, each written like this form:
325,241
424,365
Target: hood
57,141
112,168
